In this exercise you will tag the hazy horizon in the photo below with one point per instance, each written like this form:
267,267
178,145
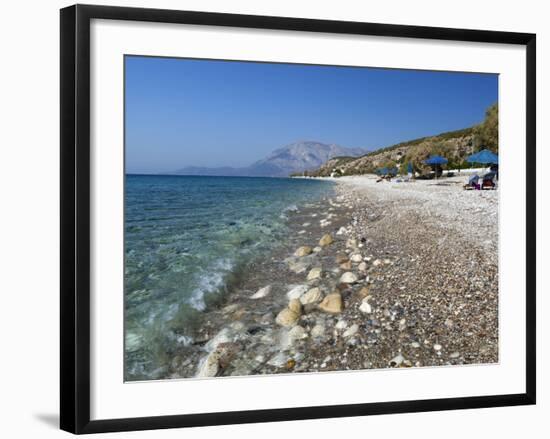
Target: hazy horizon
204,113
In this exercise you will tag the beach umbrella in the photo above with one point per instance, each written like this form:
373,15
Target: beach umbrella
436,160
485,156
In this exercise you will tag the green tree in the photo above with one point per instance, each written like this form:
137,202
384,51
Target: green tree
487,131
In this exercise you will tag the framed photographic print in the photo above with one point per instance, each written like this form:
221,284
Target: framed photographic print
268,218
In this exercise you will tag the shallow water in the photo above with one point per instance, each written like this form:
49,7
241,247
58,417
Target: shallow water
187,240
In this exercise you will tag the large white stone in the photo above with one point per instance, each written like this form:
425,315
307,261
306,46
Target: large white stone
348,278
262,292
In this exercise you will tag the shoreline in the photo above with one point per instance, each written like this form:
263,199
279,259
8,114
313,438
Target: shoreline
408,280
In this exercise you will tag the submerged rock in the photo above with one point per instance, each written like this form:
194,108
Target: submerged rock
297,292
287,317
278,360
348,278
262,292
209,367
326,240
297,333
346,265
296,306
356,257
341,258
290,315
315,273
312,296
298,265
332,304
318,331
352,330
303,251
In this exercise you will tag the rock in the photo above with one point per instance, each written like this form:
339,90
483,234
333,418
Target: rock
226,353
299,265
326,240
341,324
402,324
297,333
377,262
365,306
222,336
317,249
278,360
230,308
217,360
314,273
133,342
295,306
455,355
303,251
356,257
362,266
296,292
437,347
312,296
363,292
318,331
209,367
332,303
352,330
262,292
348,278
346,265
397,360
287,317
341,231
351,243
415,344
341,258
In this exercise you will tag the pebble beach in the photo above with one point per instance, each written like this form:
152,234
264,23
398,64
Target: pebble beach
380,275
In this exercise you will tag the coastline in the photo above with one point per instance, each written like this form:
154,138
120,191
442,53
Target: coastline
409,279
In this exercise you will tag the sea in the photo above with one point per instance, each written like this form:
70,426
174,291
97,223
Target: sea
188,240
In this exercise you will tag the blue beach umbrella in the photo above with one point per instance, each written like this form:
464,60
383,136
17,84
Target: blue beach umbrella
485,156
436,160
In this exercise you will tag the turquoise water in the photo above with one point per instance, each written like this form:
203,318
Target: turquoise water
187,239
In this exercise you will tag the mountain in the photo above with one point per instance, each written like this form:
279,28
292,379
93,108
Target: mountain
291,159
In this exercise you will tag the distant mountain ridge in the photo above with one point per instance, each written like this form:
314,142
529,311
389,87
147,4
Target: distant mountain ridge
295,158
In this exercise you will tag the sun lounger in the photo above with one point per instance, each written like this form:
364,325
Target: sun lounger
473,183
488,182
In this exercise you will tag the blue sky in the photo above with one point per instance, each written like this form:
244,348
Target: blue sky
218,113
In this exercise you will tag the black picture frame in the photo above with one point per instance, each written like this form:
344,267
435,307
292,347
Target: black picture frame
75,217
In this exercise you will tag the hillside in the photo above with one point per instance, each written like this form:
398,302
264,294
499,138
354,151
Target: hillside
453,145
